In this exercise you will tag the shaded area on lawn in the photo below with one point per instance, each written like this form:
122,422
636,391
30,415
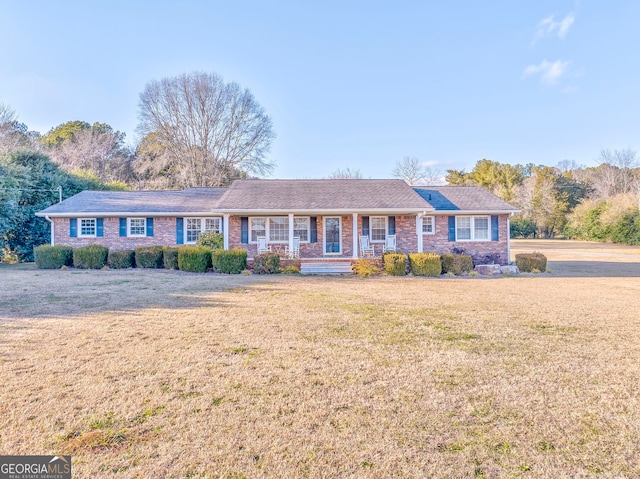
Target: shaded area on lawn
595,269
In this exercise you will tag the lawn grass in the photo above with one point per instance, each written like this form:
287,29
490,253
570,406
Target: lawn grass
164,374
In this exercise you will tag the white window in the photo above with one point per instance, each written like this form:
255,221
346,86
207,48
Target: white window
301,228
472,228
87,227
258,227
136,226
279,229
196,226
428,225
378,228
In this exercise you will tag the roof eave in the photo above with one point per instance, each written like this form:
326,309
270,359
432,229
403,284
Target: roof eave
326,211
109,214
476,212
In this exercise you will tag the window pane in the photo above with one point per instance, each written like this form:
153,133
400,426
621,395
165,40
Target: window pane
88,227
463,231
193,229
212,224
137,226
427,224
481,228
278,229
301,228
257,228
378,228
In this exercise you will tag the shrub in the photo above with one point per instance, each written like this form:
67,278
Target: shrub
527,262
365,267
266,263
53,257
170,257
395,264
231,261
211,240
93,256
290,269
522,228
9,256
194,259
456,263
149,257
121,259
425,264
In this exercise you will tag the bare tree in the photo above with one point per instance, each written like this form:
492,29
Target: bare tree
212,130
411,170
346,173
615,173
13,134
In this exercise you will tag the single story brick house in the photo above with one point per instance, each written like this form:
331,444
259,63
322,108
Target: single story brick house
328,216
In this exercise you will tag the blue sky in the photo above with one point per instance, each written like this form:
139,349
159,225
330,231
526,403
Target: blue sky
348,84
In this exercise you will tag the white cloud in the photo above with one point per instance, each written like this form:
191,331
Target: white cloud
549,72
549,27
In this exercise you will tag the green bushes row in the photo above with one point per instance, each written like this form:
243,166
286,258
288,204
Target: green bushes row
186,258
425,264
527,262
456,263
420,264
615,219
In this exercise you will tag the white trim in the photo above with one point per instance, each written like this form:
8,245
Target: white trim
291,232
472,226
474,212
53,236
203,224
129,235
324,236
95,228
121,214
433,225
355,234
225,231
419,232
291,227
386,229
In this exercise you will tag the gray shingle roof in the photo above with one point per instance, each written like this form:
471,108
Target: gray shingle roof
192,200
463,198
340,194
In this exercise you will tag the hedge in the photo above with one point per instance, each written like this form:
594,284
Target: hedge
93,256
425,264
53,257
231,261
122,259
194,259
266,263
395,264
170,257
456,263
149,257
527,262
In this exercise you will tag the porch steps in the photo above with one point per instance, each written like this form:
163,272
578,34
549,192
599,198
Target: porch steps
333,267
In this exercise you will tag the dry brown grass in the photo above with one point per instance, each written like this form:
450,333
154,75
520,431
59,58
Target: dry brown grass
163,374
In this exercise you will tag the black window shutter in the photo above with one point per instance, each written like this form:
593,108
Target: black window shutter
123,226
99,226
392,225
73,227
495,235
179,230
452,228
149,226
313,227
244,229
365,226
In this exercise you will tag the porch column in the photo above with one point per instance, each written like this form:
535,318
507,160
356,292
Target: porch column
419,232
225,231
355,235
290,232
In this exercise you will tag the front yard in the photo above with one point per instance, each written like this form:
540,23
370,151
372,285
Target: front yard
141,373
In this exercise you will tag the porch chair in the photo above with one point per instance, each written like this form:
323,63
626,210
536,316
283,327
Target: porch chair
263,247
390,244
366,248
295,249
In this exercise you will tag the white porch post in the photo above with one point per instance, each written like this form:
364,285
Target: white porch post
225,231
509,238
355,235
290,232
419,232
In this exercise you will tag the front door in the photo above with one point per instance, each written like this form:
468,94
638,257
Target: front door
332,235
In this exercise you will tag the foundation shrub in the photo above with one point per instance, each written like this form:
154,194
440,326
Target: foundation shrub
395,264
211,240
425,264
53,257
194,259
122,259
456,263
149,257
365,267
527,262
93,256
266,263
170,257
231,261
